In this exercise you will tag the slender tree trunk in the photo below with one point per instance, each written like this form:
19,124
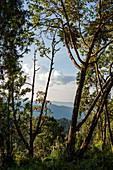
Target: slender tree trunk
46,90
19,132
72,131
31,109
87,140
104,132
109,127
8,131
73,127
91,107
16,121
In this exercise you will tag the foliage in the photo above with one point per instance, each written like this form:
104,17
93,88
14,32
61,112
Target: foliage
94,159
13,44
50,136
85,29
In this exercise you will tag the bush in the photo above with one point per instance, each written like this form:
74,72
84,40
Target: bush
58,160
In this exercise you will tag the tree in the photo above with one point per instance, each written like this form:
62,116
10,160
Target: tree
51,133
43,100
85,28
15,39
30,136
13,44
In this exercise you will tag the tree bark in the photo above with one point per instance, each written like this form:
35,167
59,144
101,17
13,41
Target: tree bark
31,109
104,132
46,91
72,131
8,142
16,121
91,107
109,127
87,140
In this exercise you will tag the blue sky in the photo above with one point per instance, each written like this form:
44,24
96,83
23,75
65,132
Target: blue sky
63,85
63,81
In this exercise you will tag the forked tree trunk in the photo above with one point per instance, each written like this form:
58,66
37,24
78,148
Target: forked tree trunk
87,140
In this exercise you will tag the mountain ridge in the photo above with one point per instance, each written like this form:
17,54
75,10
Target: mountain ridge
58,111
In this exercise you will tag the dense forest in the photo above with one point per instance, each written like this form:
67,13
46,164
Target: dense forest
85,29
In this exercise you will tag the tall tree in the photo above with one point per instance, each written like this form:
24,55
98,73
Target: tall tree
85,28
39,122
14,43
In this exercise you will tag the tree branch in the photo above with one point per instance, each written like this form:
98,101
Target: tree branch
46,91
86,45
102,48
92,106
87,140
69,51
71,36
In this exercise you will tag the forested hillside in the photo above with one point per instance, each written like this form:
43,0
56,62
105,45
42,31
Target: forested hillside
58,112
84,30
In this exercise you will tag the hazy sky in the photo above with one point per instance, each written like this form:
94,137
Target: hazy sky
63,85
63,81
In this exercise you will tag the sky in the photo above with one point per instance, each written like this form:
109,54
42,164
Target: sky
63,81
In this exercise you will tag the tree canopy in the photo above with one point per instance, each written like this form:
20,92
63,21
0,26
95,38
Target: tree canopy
85,28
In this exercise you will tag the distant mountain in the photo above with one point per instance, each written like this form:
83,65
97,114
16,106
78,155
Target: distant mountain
59,112
69,104
62,112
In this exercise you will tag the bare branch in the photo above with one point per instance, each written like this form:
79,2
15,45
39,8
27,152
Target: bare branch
47,87
97,115
110,72
69,51
71,36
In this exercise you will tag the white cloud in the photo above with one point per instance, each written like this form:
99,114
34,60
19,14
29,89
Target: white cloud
26,67
62,87
62,92
60,78
58,85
